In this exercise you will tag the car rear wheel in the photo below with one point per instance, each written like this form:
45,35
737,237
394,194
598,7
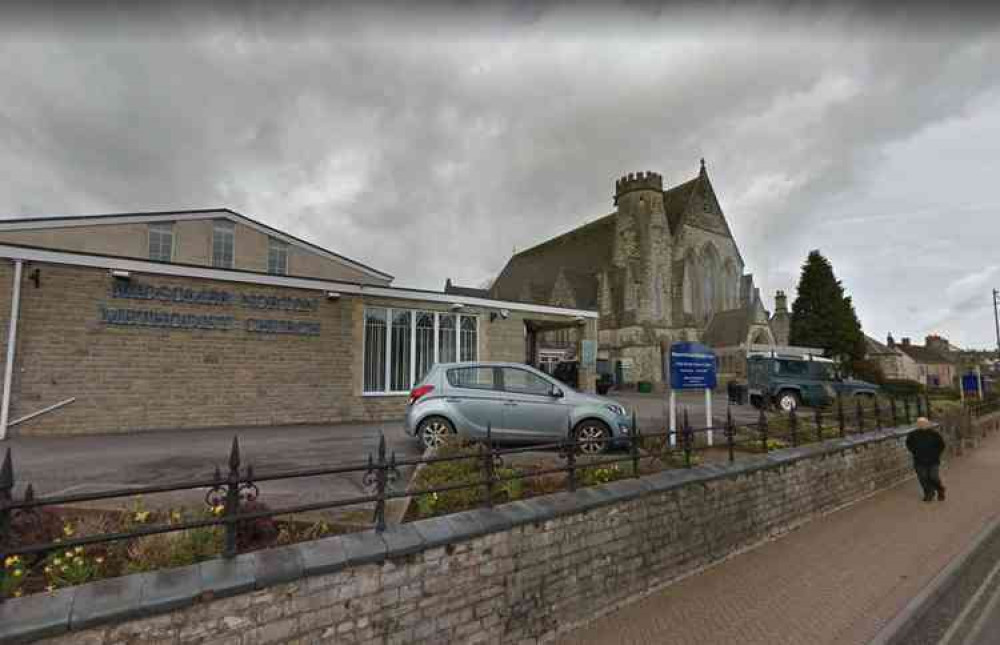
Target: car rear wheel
434,431
788,401
593,436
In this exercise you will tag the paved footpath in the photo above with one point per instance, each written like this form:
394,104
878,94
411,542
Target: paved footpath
838,579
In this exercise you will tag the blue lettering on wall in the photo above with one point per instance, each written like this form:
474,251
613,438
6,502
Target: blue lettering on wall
212,297
165,319
134,290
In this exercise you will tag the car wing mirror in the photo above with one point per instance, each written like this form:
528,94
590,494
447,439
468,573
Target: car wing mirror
555,392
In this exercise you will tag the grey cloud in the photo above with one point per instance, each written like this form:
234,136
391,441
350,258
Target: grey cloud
431,145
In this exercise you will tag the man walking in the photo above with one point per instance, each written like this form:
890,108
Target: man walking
926,445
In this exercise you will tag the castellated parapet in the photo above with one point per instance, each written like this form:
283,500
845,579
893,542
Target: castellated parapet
648,180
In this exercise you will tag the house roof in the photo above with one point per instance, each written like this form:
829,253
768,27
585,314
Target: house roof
70,221
922,354
875,348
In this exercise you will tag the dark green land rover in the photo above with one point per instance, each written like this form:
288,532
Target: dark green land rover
789,381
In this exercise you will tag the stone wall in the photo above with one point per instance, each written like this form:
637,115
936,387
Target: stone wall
519,573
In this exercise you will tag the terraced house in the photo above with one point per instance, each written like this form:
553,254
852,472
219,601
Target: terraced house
207,318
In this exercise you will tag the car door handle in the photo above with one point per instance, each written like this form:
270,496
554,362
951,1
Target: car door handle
510,403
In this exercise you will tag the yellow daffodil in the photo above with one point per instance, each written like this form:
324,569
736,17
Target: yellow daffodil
11,561
57,561
78,561
78,550
175,516
18,593
18,573
48,569
218,510
68,530
99,560
50,588
142,516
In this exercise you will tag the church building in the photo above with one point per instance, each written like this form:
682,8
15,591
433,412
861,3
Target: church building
663,267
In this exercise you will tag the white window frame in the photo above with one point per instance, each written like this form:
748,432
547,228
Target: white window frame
159,227
230,228
274,245
413,345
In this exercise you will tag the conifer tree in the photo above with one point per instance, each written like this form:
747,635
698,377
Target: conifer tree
822,316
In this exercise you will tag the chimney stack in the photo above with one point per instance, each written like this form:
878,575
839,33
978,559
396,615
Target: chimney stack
890,341
906,341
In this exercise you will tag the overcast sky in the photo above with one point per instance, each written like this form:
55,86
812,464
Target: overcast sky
430,145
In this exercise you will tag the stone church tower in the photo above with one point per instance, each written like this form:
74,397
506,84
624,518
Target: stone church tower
662,267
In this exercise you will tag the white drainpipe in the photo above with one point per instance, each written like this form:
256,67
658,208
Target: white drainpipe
15,307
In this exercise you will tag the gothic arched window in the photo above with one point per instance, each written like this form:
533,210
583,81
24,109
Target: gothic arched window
688,285
711,282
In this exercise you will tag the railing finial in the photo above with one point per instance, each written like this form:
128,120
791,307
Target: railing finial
234,455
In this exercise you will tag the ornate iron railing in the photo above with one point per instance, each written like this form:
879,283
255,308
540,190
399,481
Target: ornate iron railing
229,495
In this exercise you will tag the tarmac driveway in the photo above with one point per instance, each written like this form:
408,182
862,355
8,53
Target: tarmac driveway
81,464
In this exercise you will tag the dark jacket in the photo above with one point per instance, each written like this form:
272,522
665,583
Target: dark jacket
926,446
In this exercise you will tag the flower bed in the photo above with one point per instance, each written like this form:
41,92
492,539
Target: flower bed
22,575
513,481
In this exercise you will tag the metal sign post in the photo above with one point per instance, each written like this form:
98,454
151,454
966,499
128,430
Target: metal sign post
673,418
692,367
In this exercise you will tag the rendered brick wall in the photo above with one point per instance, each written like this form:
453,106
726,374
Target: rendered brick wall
518,573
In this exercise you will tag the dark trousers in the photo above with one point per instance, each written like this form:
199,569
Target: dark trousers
930,479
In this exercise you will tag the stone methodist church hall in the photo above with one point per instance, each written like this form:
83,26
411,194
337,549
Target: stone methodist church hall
662,267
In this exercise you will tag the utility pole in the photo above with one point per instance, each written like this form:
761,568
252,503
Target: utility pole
996,320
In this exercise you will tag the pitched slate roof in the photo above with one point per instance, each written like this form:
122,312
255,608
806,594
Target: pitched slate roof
580,253
875,348
922,354
675,201
584,286
728,328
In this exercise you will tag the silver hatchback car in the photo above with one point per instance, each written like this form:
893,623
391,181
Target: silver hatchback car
519,403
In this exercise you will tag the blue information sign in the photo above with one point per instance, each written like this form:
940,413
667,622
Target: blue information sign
970,383
692,367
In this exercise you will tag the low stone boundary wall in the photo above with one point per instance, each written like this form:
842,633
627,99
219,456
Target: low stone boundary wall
521,572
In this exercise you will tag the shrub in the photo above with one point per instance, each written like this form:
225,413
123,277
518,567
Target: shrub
462,471
257,533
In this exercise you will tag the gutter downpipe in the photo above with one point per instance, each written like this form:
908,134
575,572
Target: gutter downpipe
15,307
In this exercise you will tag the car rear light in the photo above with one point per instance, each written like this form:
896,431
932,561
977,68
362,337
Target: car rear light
418,392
